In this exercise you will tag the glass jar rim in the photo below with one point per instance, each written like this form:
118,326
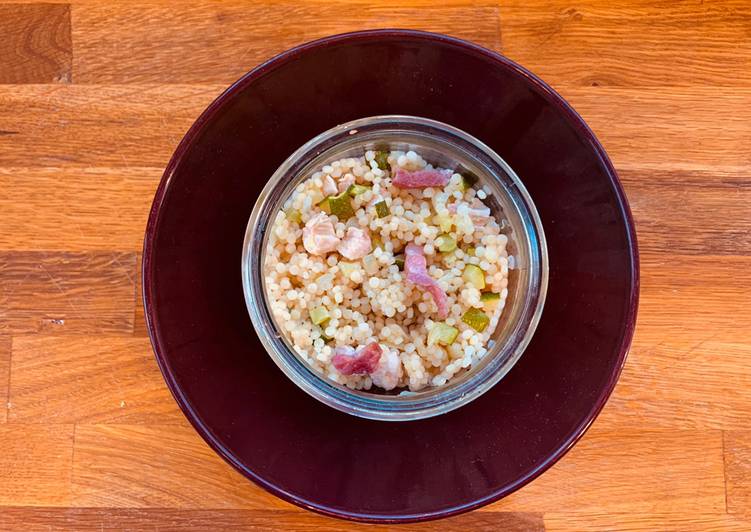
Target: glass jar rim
409,405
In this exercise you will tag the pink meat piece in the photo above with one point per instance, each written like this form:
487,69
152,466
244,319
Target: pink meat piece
421,178
416,267
345,183
361,362
355,244
329,186
318,235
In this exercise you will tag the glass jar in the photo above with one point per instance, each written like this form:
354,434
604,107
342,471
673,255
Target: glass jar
443,146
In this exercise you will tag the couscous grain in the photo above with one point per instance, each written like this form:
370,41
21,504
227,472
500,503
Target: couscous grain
385,271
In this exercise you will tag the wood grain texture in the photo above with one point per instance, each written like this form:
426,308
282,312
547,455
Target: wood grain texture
136,466
688,367
106,209
683,383
669,128
718,204
637,468
5,343
56,293
94,97
78,126
84,379
690,297
36,43
98,519
35,464
674,129
635,42
97,209
738,472
604,521
131,42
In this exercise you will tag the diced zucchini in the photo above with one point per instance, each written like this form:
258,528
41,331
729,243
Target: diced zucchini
445,243
382,160
376,242
319,315
399,261
341,206
445,222
476,319
293,215
356,190
470,251
382,210
347,268
324,337
442,334
474,275
324,206
490,300
469,180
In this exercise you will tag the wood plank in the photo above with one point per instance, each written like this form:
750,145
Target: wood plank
683,383
4,376
675,129
131,42
108,208
738,472
60,293
630,42
84,379
35,464
101,209
709,211
630,470
36,44
82,126
605,521
688,367
85,519
154,466
696,297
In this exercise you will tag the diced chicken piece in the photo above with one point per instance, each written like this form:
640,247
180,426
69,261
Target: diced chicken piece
478,212
318,235
355,244
420,178
346,182
389,371
329,186
415,265
361,362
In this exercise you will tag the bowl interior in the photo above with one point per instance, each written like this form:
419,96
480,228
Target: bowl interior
443,146
311,454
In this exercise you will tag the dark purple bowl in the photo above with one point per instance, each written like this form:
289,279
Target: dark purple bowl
269,429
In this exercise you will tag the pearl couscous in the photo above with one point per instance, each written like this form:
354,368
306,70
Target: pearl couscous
384,271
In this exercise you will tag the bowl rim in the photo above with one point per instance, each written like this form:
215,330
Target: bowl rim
183,147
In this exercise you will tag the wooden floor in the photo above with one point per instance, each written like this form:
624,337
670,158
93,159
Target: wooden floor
95,95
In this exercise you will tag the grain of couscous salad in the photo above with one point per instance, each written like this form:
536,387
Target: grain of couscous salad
383,271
